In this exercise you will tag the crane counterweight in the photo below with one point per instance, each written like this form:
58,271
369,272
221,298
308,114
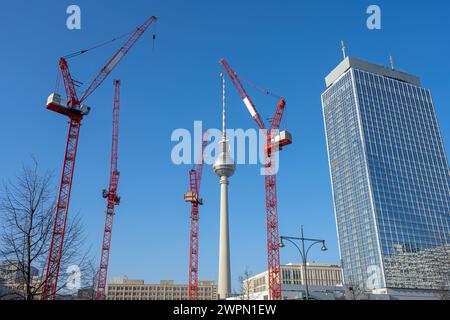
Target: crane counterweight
192,197
57,104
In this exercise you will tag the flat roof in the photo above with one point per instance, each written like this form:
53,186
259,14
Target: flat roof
351,62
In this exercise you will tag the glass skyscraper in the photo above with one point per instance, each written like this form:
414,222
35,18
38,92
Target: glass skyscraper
390,178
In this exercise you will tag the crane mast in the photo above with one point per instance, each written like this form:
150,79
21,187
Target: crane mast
75,110
193,196
273,143
112,199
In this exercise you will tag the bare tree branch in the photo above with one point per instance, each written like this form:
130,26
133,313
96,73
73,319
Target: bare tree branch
27,207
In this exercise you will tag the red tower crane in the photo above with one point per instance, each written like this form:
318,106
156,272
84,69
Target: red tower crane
75,110
274,142
112,198
193,196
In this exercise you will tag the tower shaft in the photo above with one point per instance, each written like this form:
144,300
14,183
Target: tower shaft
224,286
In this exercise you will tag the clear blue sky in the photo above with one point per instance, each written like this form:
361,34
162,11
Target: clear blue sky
286,46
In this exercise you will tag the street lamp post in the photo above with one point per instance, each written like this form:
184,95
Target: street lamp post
303,253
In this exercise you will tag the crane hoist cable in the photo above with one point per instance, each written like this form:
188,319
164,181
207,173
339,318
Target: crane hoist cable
102,44
267,92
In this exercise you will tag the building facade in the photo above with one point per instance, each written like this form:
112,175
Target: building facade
126,289
12,280
390,178
322,279
11,273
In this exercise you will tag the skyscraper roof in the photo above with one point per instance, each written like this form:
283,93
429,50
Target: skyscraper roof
351,62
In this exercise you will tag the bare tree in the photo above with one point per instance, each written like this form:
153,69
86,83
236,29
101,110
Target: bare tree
444,272
443,292
27,208
355,290
89,280
246,284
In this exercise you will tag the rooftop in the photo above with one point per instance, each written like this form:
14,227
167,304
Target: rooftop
309,266
351,62
313,264
125,281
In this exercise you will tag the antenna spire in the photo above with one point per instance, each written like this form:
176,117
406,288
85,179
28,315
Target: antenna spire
391,61
343,49
224,128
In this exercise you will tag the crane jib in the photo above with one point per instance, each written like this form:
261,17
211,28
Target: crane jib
114,61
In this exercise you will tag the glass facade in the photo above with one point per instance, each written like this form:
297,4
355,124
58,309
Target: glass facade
390,181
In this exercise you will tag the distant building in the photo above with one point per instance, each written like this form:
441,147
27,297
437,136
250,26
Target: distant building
11,273
126,289
390,179
12,280
324,282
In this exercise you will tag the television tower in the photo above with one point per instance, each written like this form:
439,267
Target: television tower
224,168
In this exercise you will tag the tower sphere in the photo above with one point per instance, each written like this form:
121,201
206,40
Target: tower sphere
224,164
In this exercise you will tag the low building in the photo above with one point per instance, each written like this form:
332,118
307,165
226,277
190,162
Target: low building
6,293
126,289
86,294
324,282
